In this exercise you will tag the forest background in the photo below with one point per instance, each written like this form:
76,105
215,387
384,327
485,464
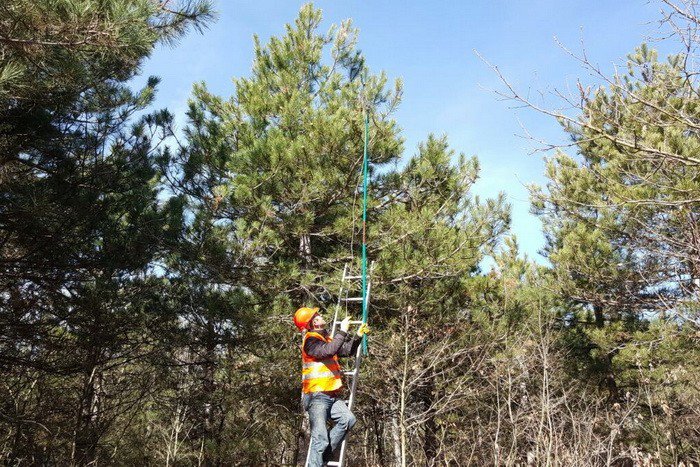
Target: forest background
149,269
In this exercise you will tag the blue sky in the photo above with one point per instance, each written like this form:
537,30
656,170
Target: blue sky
447,88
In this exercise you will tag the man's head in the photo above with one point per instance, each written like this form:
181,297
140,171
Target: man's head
317,322
307,318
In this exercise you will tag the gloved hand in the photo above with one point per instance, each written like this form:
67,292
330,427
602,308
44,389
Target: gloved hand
362,330
345,324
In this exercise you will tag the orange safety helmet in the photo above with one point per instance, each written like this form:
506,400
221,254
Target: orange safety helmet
303,317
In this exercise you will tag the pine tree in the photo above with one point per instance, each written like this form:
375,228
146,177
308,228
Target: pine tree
621,221
81,221
430,236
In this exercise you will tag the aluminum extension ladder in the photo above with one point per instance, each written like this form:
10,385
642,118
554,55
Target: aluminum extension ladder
349,285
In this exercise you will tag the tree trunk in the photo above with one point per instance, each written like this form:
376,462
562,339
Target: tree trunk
305,247
379,435
396,438
208,395
598,314
430,439
610,383
86,434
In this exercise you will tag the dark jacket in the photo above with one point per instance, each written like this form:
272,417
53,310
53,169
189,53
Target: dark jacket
342,345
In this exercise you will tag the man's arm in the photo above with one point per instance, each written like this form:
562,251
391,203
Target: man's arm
349,347
318,349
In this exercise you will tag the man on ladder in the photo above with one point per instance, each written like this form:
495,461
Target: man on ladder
321,380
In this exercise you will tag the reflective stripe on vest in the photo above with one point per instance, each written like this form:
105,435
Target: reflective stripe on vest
319,375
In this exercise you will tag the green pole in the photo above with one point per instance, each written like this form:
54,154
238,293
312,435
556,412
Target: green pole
365,176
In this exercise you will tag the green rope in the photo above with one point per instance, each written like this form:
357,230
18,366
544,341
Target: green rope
365,170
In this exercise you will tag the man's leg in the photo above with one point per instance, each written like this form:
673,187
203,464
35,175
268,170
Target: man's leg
344,420
318,408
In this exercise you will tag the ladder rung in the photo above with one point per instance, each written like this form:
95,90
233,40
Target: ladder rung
351,299
349,373
333,463
337,323
352,278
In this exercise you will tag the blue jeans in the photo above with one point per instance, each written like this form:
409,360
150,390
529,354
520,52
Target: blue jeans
321,407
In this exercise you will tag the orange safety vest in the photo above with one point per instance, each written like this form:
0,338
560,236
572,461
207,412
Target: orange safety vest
319,375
